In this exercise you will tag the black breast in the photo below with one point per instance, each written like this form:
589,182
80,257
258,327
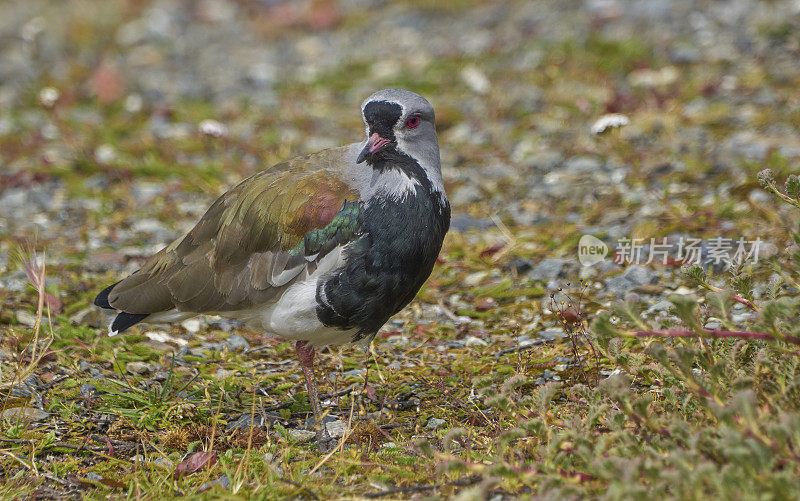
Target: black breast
388,264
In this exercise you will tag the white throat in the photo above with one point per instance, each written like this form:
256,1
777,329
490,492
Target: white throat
428,159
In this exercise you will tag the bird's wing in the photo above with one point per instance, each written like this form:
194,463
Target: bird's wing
253,241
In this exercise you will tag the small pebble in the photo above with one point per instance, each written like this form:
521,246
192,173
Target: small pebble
435,423
25,318
163,462
302,436
237,342
138,368
88,391
222,481
336,429
192,325
474,341
212,128
24,414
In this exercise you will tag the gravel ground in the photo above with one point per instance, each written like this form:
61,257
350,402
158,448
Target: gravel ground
120,122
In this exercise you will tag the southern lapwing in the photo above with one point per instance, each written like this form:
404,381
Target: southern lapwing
321,249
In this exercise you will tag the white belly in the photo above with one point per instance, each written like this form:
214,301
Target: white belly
294,315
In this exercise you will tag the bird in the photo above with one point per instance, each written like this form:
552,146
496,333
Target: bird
321,249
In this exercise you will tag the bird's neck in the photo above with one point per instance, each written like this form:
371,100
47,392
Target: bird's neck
403,172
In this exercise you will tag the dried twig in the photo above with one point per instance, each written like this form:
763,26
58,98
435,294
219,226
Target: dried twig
66,445
295,484
522,347
461,482
717,334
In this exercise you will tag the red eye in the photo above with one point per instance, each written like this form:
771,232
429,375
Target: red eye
412,122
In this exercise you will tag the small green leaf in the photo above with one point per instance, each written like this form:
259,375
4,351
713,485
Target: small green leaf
630,311
604,330
793,186
766,178
686,309
744,285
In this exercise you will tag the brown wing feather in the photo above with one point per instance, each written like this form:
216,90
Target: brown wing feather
237,254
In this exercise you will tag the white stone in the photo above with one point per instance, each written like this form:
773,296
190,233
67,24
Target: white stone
474,341
475,79
48,96
164,463
24,414
303,436
105,154
192,325
163,337
212,128
138,368
434,423
25,318
609,121
336,429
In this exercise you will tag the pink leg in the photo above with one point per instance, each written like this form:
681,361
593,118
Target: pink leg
306,352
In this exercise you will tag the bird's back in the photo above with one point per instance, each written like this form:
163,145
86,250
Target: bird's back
250,244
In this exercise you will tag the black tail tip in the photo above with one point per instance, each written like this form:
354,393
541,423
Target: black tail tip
125,320
102,299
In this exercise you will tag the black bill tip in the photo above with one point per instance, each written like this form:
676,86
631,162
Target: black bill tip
363,155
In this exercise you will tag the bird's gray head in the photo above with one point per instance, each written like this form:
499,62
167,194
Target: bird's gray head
400,120
396,118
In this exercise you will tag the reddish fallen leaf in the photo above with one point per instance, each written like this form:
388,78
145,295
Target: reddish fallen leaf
671,261
108,482
486,303
420,331
491,250
80,342
323,15
196,462
581,477
571,314
107,84
114,484
370,391
23,179
476,420
388,334
583,105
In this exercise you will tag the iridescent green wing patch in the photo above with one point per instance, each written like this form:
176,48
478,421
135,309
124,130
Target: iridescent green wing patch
344,226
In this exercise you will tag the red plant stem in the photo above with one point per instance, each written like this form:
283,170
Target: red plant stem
740,299
716,334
